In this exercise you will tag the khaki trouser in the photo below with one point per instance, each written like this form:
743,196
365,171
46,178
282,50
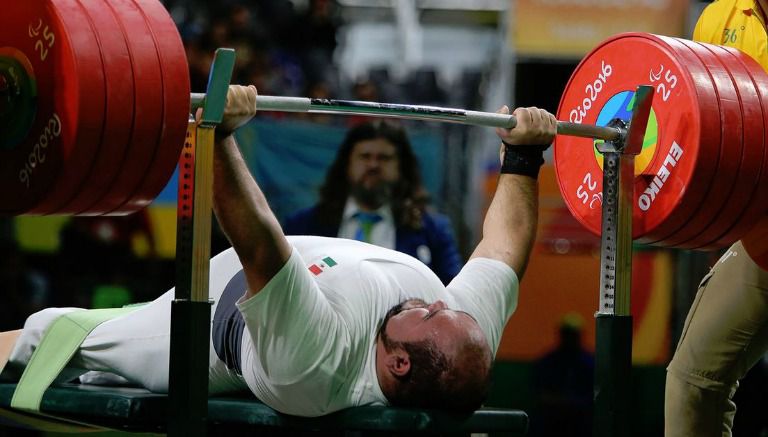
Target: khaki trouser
725,334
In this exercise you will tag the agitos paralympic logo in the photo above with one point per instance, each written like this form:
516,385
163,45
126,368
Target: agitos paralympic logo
620,106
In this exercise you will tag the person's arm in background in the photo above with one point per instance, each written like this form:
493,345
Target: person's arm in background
239,205
509,228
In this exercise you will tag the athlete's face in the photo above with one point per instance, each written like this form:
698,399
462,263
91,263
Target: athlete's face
415,320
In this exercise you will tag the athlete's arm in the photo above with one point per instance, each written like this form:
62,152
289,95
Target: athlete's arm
239,204
509,228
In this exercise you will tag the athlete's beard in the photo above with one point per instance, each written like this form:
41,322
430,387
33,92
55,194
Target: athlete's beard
374,197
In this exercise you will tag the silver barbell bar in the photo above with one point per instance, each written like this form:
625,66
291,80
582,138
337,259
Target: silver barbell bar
414,112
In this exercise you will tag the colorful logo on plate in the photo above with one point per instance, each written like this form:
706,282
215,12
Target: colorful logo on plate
620,106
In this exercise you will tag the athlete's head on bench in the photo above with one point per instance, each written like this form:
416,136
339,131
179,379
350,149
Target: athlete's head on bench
428,355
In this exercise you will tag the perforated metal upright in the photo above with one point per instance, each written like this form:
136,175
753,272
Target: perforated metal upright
191,308
613,361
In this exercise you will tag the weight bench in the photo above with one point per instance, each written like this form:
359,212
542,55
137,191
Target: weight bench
138,410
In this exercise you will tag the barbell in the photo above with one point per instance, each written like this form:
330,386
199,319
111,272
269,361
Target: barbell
414,112
95,100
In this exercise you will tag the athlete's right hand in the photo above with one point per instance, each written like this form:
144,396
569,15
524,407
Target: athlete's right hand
240,108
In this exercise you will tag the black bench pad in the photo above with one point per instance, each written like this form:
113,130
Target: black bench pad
133,409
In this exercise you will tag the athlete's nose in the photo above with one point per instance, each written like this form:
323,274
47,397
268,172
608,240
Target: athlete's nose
437,306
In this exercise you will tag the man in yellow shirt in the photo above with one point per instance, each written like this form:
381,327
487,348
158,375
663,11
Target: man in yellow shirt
726,331
736,23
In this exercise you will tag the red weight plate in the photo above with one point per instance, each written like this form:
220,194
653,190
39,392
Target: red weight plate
176,89
751,156
730,146
54,43
119,108
694,193
678,132
756,243
759,194
147,119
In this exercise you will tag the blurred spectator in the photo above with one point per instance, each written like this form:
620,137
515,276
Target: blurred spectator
98,252
423,87
263,74
244,35
387,88
200,50
278,49
315,36
24,290
6,228
373,192
319,90
366,91
563,384
317,27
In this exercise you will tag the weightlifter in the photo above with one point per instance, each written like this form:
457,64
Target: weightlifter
726,331
312,325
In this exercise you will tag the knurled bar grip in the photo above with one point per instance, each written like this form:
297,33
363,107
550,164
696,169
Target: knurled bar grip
435,113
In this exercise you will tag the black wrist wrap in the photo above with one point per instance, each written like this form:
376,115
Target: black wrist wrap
523,160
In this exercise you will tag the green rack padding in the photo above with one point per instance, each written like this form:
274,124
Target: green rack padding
138,410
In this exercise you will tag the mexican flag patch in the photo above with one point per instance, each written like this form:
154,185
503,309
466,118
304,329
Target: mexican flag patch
322,265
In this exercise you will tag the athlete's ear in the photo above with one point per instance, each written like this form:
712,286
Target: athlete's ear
399,362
